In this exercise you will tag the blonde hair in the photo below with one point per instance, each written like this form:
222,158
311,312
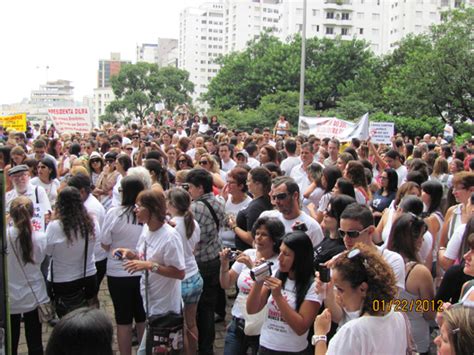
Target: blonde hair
213,167
460,323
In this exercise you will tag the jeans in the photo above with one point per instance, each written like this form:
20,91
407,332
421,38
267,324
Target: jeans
236,342
207,305
32,332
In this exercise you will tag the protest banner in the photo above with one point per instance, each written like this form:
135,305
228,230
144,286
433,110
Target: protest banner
334,128
381,132
71,119
17,122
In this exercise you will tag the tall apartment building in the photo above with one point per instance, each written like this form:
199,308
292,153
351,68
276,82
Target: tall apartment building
53,93
382,23
201,41
103,94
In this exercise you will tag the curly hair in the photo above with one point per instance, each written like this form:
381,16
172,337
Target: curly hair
73,215
370,267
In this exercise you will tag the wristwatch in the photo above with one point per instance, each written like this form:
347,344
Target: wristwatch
316,338
155,267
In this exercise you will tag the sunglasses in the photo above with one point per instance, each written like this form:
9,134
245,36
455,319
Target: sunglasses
203,162
281,196
182,161
93,161
135,137
130,149
352,234
115,143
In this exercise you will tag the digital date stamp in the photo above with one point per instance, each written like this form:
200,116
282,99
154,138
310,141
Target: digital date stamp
407,305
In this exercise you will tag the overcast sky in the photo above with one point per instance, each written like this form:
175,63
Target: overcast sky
70,36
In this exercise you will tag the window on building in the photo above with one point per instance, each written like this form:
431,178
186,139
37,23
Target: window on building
375,31
315,12
345,16
360,15
419,14
299,27
361,31
344,31
329,30
299,11
330,14
375,16
315,28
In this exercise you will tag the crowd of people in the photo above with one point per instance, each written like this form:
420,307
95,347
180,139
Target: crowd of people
322,246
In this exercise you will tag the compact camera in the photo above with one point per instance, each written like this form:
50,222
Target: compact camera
299,226
260,272
324,273
118,255
232,255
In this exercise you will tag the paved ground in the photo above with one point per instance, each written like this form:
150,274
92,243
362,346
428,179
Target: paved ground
106,304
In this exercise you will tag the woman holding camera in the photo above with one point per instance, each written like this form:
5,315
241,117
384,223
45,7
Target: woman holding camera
365,287
267,233
160,252
121,228
290,297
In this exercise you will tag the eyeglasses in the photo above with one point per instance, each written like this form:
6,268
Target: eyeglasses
182,161
129,149
203,162
115,143
352,234
281,196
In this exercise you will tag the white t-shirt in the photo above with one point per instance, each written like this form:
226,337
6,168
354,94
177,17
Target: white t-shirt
276,334
299,174
314,232
226,234
164,247
455,243
68,258
228,166
402,172
41,204
245,282
289,163
371,335
51,188
324,202
252,162
188,245
119,231
426,246
21,298
314,198
97,211
116,195
396,262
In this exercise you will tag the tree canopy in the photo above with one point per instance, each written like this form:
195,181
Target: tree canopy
138,87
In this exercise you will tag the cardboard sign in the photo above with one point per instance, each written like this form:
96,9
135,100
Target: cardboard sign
71,119
332,127
17,122
381,132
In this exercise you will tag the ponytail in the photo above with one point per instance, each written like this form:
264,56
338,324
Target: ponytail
21,211
189,223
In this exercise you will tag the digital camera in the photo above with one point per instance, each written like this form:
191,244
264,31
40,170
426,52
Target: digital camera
260,272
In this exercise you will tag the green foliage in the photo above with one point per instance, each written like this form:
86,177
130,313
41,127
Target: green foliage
138,87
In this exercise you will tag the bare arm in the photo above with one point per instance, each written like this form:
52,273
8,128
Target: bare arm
443,240
424,279
257,298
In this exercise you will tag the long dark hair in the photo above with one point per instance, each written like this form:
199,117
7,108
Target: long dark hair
331,174
131,187
21,212
405,232
154,165
301,245
392,177
75,220
435,190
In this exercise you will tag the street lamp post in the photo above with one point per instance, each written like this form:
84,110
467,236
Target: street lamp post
302,66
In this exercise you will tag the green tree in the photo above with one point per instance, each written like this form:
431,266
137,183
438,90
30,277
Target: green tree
138,87
433,74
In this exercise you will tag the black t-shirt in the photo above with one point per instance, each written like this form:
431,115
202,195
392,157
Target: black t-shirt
247,217
327,249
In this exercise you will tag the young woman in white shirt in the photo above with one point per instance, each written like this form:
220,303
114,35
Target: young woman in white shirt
290,297
364,283
122,229
66,237
26,252
267,233
160,252
46,178
178,204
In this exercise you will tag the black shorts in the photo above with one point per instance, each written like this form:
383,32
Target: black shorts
127,300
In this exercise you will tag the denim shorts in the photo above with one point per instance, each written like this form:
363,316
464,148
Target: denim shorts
191,289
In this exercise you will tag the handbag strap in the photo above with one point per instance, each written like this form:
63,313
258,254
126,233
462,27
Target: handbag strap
85,264
213,213
24,273
146,284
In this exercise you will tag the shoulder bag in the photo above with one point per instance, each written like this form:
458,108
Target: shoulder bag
164,332
46,311
66,303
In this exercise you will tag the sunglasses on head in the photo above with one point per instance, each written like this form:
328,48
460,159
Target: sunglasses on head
352,234
281,196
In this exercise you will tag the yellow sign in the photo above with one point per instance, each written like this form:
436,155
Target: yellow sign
17,122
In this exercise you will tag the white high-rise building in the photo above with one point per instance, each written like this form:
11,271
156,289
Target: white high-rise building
226,26
201,41
167,52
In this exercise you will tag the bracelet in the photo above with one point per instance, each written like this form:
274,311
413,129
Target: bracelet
441,248
317,338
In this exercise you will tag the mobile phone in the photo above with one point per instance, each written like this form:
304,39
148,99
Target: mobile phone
324,273
147,144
